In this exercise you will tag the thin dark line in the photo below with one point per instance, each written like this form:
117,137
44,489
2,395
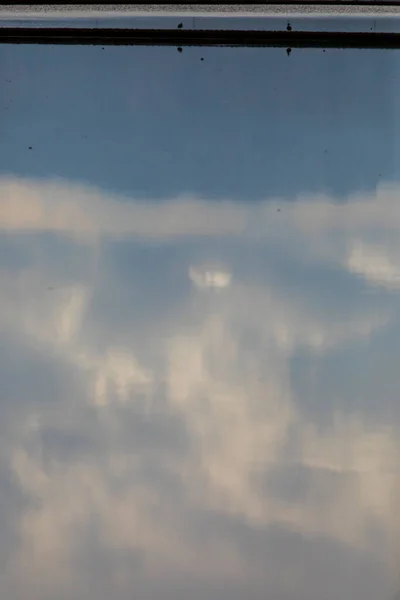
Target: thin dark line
212,2
327,3
173,37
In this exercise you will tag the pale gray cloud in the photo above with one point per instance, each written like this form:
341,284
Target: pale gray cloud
164,459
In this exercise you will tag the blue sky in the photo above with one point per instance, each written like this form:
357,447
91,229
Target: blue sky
198,398
242,124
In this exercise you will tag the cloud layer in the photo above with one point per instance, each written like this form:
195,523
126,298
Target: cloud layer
159,361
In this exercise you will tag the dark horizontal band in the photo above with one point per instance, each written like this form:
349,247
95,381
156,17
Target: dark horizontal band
90,3
173,37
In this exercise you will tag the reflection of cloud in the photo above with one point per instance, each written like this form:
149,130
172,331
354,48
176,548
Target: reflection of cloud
374,265
118,371
209,277
83,212
243,424
220,370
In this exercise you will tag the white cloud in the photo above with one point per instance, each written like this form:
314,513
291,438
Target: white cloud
209,277
86,213
374,264
222,370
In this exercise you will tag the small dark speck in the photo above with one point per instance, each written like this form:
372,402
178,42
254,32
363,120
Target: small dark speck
202,59
102,47
289,27
323,50
288,51
180,25
30,148
179,49
50,288
325,151
278,209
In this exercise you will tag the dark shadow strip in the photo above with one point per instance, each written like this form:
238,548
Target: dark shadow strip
216,3
172,37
